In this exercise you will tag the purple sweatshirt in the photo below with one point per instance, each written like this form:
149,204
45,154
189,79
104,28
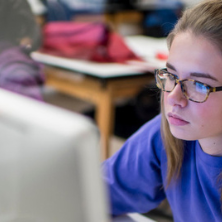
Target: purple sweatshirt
136,178
19,73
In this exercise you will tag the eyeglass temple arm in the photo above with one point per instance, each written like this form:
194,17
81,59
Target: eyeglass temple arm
214,89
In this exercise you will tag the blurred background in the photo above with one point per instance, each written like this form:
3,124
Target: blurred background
47,25
149,18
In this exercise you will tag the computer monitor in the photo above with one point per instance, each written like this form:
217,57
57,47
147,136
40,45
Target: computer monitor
49,164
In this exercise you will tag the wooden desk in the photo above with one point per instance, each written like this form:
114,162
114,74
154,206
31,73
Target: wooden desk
101,92
102,84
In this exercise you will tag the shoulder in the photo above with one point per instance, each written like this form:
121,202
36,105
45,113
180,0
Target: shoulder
144,145
16,63
149,133
10,53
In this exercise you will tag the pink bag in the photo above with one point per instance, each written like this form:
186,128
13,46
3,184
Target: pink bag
88,41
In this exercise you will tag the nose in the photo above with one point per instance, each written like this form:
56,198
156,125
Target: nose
176,97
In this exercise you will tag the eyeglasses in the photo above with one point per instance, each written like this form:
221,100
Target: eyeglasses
193,90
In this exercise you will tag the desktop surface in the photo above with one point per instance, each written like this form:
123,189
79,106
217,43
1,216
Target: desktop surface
145,47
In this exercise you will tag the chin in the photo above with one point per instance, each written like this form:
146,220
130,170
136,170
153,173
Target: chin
182,134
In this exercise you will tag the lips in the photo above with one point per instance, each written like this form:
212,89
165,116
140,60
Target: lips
176,120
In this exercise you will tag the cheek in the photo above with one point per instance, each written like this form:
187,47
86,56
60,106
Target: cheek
165,98
165,102
208,113
200,115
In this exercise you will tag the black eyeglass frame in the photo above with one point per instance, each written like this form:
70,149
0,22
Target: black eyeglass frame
177,80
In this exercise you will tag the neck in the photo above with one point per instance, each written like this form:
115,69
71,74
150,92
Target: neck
212,146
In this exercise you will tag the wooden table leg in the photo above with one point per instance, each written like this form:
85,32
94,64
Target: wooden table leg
105,120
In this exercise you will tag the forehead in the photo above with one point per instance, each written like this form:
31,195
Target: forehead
190,53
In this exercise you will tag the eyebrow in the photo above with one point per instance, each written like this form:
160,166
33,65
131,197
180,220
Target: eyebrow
197,74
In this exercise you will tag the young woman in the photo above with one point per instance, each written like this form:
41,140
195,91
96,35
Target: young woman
178,154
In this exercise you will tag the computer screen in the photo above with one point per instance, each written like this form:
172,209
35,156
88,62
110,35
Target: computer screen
49,164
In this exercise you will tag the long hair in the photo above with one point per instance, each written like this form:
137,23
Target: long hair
205,19
17,21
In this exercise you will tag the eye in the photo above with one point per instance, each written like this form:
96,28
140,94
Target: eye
172,77
200,87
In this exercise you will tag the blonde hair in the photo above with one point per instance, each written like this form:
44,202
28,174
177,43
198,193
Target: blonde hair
204,19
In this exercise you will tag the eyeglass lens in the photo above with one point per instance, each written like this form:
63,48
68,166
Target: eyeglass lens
193,90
